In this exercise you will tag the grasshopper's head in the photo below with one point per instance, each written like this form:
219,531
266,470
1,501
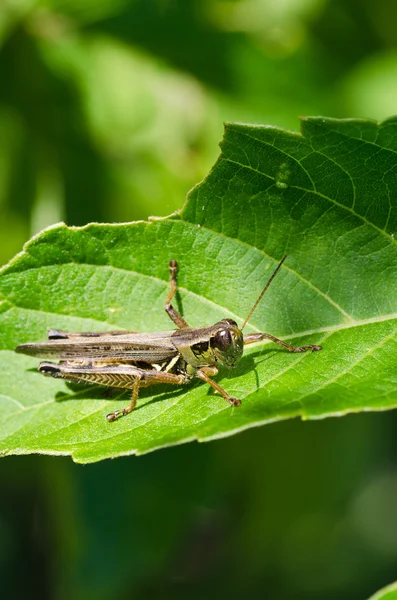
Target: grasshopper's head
227,342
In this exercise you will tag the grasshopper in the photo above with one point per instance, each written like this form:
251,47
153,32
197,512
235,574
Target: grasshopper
132,360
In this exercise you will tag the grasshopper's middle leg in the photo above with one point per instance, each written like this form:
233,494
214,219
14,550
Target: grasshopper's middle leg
205,373
173,314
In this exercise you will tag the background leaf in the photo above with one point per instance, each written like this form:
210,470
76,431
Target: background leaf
325,197
387,593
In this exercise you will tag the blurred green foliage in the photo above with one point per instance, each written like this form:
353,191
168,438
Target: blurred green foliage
111,110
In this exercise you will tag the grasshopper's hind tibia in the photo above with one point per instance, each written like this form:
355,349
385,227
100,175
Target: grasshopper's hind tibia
127,409
173,314
116,375
251,338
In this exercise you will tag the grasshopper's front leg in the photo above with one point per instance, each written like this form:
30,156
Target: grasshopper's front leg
251,338
173,314
205,373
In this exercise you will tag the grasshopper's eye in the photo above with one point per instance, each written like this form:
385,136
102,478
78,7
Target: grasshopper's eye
222,339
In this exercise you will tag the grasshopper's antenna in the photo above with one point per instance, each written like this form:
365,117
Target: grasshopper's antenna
263,291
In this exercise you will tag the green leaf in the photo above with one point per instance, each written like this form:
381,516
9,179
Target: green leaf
326,197
387,593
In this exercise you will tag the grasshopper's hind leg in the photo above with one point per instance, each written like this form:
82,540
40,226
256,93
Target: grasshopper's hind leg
127,409
118,375
173,314
144,379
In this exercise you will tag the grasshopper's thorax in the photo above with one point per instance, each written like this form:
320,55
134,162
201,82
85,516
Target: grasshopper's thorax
220,343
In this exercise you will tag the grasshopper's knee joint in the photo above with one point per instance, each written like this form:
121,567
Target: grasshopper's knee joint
50,369
173,269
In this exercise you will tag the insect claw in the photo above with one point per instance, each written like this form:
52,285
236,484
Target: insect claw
115,415
235,401
306,348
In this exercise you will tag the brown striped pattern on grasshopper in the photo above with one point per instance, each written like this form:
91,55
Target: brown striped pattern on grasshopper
127,359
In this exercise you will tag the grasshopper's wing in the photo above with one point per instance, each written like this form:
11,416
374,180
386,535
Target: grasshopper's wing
57,334
145,347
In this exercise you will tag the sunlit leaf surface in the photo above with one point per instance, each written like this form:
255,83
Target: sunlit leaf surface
326,197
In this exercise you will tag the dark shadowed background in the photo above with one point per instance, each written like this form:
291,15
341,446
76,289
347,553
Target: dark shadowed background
111,110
